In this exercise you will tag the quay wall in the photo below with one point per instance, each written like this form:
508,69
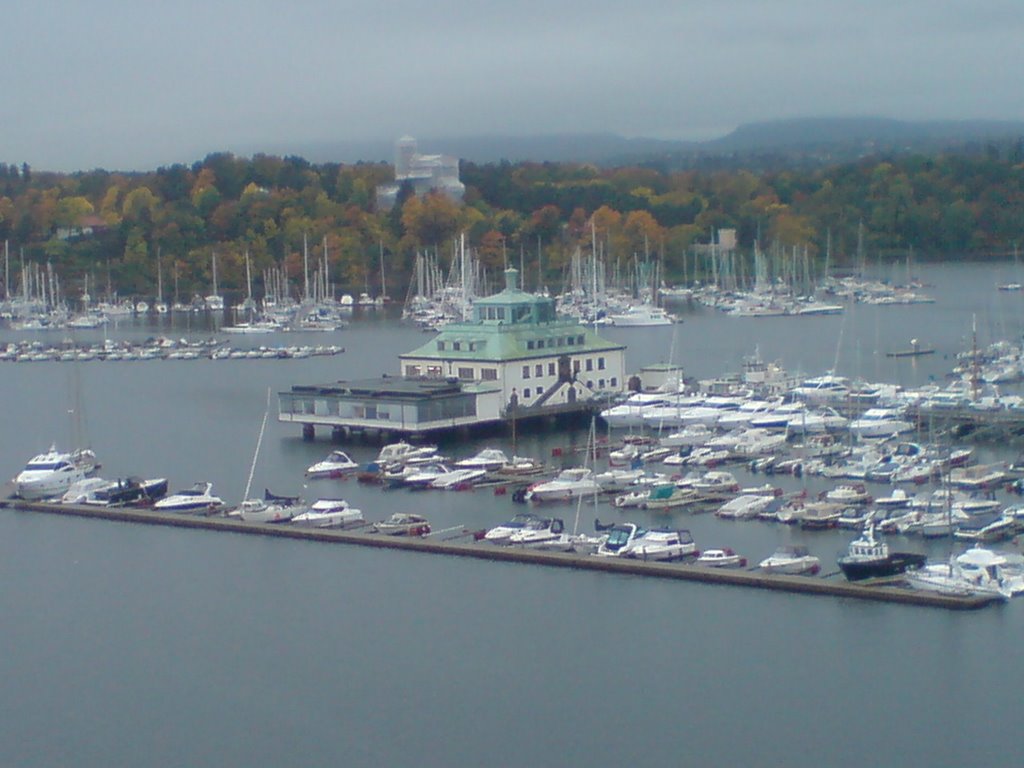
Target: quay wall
429,545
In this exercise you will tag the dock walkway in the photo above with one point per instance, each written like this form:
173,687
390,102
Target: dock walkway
428,545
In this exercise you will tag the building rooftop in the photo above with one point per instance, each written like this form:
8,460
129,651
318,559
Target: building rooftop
512,325
394,388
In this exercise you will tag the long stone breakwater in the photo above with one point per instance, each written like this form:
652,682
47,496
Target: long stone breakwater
467,546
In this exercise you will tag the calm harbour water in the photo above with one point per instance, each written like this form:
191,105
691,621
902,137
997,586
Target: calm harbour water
136,645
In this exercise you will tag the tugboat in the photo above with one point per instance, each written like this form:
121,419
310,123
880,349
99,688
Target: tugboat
868,558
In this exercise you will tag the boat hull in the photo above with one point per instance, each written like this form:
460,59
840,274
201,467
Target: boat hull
893,565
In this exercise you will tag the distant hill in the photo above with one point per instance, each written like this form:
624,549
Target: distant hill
831,130
799,141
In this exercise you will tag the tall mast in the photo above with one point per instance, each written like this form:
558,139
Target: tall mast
305,267
465,278
248,277
159,277
975,377
383,284
327,282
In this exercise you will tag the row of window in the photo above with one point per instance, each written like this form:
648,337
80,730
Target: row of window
577,365
436,371
458,346
517,314
535,370
561,341
613,382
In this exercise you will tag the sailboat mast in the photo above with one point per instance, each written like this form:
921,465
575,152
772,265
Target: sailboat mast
383,284
327,282
465,278
248,277
259,442
305,267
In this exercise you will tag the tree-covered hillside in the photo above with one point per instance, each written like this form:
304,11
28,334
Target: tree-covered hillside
113,224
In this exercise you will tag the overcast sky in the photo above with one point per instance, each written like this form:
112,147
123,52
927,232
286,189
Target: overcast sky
136,85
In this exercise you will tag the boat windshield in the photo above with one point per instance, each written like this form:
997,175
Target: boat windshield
617,538
49,466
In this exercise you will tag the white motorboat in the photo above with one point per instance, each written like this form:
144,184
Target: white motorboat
712,484
403,524
817,515
84,490
691,436
668,496
977,477
978,571
404,453
631,412
632,498
423,476
816,422
270,509
701,457
898,499
880,422
742,416
980,563
849,493
721,558
618,479
779,417
198,498
937,525
988,526
792,560
640,315
329,513
500,534
744,507
520,465
661,544
619,537
569,484
820,390
489,460
542,533
757,442
52,473
627,455
336,464
458,479
256,327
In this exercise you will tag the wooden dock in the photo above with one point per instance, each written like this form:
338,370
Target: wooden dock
482,551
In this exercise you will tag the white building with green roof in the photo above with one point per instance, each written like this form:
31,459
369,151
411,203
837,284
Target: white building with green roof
517,342
516,359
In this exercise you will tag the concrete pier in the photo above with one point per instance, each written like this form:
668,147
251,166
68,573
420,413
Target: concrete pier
681,571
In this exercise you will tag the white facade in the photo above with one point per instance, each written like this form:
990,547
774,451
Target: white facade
423,172
597,372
